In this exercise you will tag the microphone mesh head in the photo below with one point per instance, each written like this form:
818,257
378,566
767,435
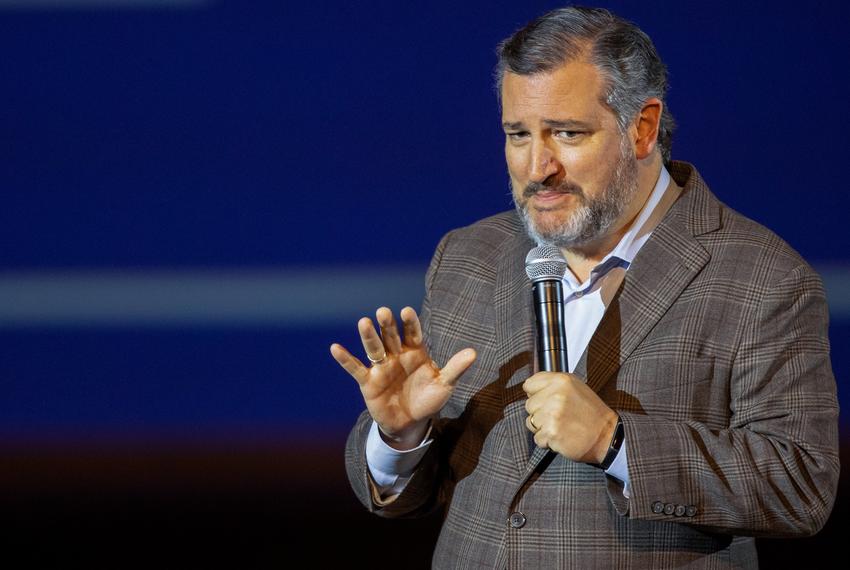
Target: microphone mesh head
545,263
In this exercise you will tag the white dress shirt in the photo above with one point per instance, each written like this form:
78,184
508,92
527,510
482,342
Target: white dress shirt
584,305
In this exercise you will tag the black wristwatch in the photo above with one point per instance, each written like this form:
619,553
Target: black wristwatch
614,446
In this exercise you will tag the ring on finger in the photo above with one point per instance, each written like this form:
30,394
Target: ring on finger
534,425
377,359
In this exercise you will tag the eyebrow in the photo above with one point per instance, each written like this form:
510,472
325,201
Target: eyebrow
551,123
567,124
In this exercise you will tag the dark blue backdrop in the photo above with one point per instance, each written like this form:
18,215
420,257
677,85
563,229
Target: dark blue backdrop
289,136
199,196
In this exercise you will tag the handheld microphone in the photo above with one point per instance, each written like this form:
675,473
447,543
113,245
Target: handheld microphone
545,266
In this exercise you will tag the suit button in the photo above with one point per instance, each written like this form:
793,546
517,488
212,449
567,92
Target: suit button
669,508
691,510
657,507
517,520
680,510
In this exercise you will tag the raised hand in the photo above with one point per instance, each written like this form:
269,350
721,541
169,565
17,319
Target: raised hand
404,388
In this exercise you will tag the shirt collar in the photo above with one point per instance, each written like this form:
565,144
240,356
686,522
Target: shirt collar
628,246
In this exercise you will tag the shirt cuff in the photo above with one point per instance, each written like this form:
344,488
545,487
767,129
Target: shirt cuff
389,466
620,468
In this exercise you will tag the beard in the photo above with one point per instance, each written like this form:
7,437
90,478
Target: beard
593,216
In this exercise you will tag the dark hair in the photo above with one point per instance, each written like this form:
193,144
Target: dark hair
624,55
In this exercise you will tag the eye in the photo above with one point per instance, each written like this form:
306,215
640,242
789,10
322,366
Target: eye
518,136
568,135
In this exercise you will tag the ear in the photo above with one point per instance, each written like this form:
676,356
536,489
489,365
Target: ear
646,128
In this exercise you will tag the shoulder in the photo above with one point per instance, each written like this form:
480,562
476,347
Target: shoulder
731,238
480,246
484,234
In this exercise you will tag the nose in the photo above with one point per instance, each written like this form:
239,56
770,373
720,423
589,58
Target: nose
543,162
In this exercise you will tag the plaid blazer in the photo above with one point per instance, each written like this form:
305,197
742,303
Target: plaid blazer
715,354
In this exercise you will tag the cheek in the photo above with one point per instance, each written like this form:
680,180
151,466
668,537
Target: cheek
587,166
518,179
517,187
579,162
517,163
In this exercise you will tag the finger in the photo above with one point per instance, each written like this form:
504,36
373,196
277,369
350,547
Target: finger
389,331
541,440
530,426
537,382
539,400
532,405
412,327
351,364
456,366
369,337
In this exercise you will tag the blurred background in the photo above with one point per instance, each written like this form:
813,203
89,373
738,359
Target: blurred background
199,196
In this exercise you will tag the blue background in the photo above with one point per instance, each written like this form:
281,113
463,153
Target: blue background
264,134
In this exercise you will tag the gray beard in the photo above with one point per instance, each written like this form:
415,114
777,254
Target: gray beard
594,217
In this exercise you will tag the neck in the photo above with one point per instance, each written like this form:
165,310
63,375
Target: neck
581,260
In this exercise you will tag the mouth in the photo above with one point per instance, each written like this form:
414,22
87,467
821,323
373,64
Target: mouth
547,199
550,194
546,193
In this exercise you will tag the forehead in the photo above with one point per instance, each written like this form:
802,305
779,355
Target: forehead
572,91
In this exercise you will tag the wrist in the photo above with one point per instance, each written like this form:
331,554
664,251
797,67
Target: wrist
607,456
406,439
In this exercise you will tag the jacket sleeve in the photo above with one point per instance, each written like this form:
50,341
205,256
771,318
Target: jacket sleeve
419,496
774,470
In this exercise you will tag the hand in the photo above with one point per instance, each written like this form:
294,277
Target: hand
405,389
566,416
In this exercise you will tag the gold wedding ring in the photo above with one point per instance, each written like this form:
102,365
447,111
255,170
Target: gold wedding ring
376,360
534,425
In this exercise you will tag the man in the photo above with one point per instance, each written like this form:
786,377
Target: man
700,406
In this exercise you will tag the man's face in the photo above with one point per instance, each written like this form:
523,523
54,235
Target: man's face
573,173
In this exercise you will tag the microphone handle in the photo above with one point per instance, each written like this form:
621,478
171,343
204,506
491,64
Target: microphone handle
551,334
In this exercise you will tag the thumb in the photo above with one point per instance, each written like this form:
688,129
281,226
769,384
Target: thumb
456,366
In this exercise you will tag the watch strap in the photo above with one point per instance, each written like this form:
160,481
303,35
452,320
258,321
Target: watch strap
613,447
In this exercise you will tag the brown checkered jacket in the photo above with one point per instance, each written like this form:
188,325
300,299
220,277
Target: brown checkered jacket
715,354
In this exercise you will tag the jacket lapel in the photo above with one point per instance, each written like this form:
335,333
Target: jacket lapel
515,341
662,269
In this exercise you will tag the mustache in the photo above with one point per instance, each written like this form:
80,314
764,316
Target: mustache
562,188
